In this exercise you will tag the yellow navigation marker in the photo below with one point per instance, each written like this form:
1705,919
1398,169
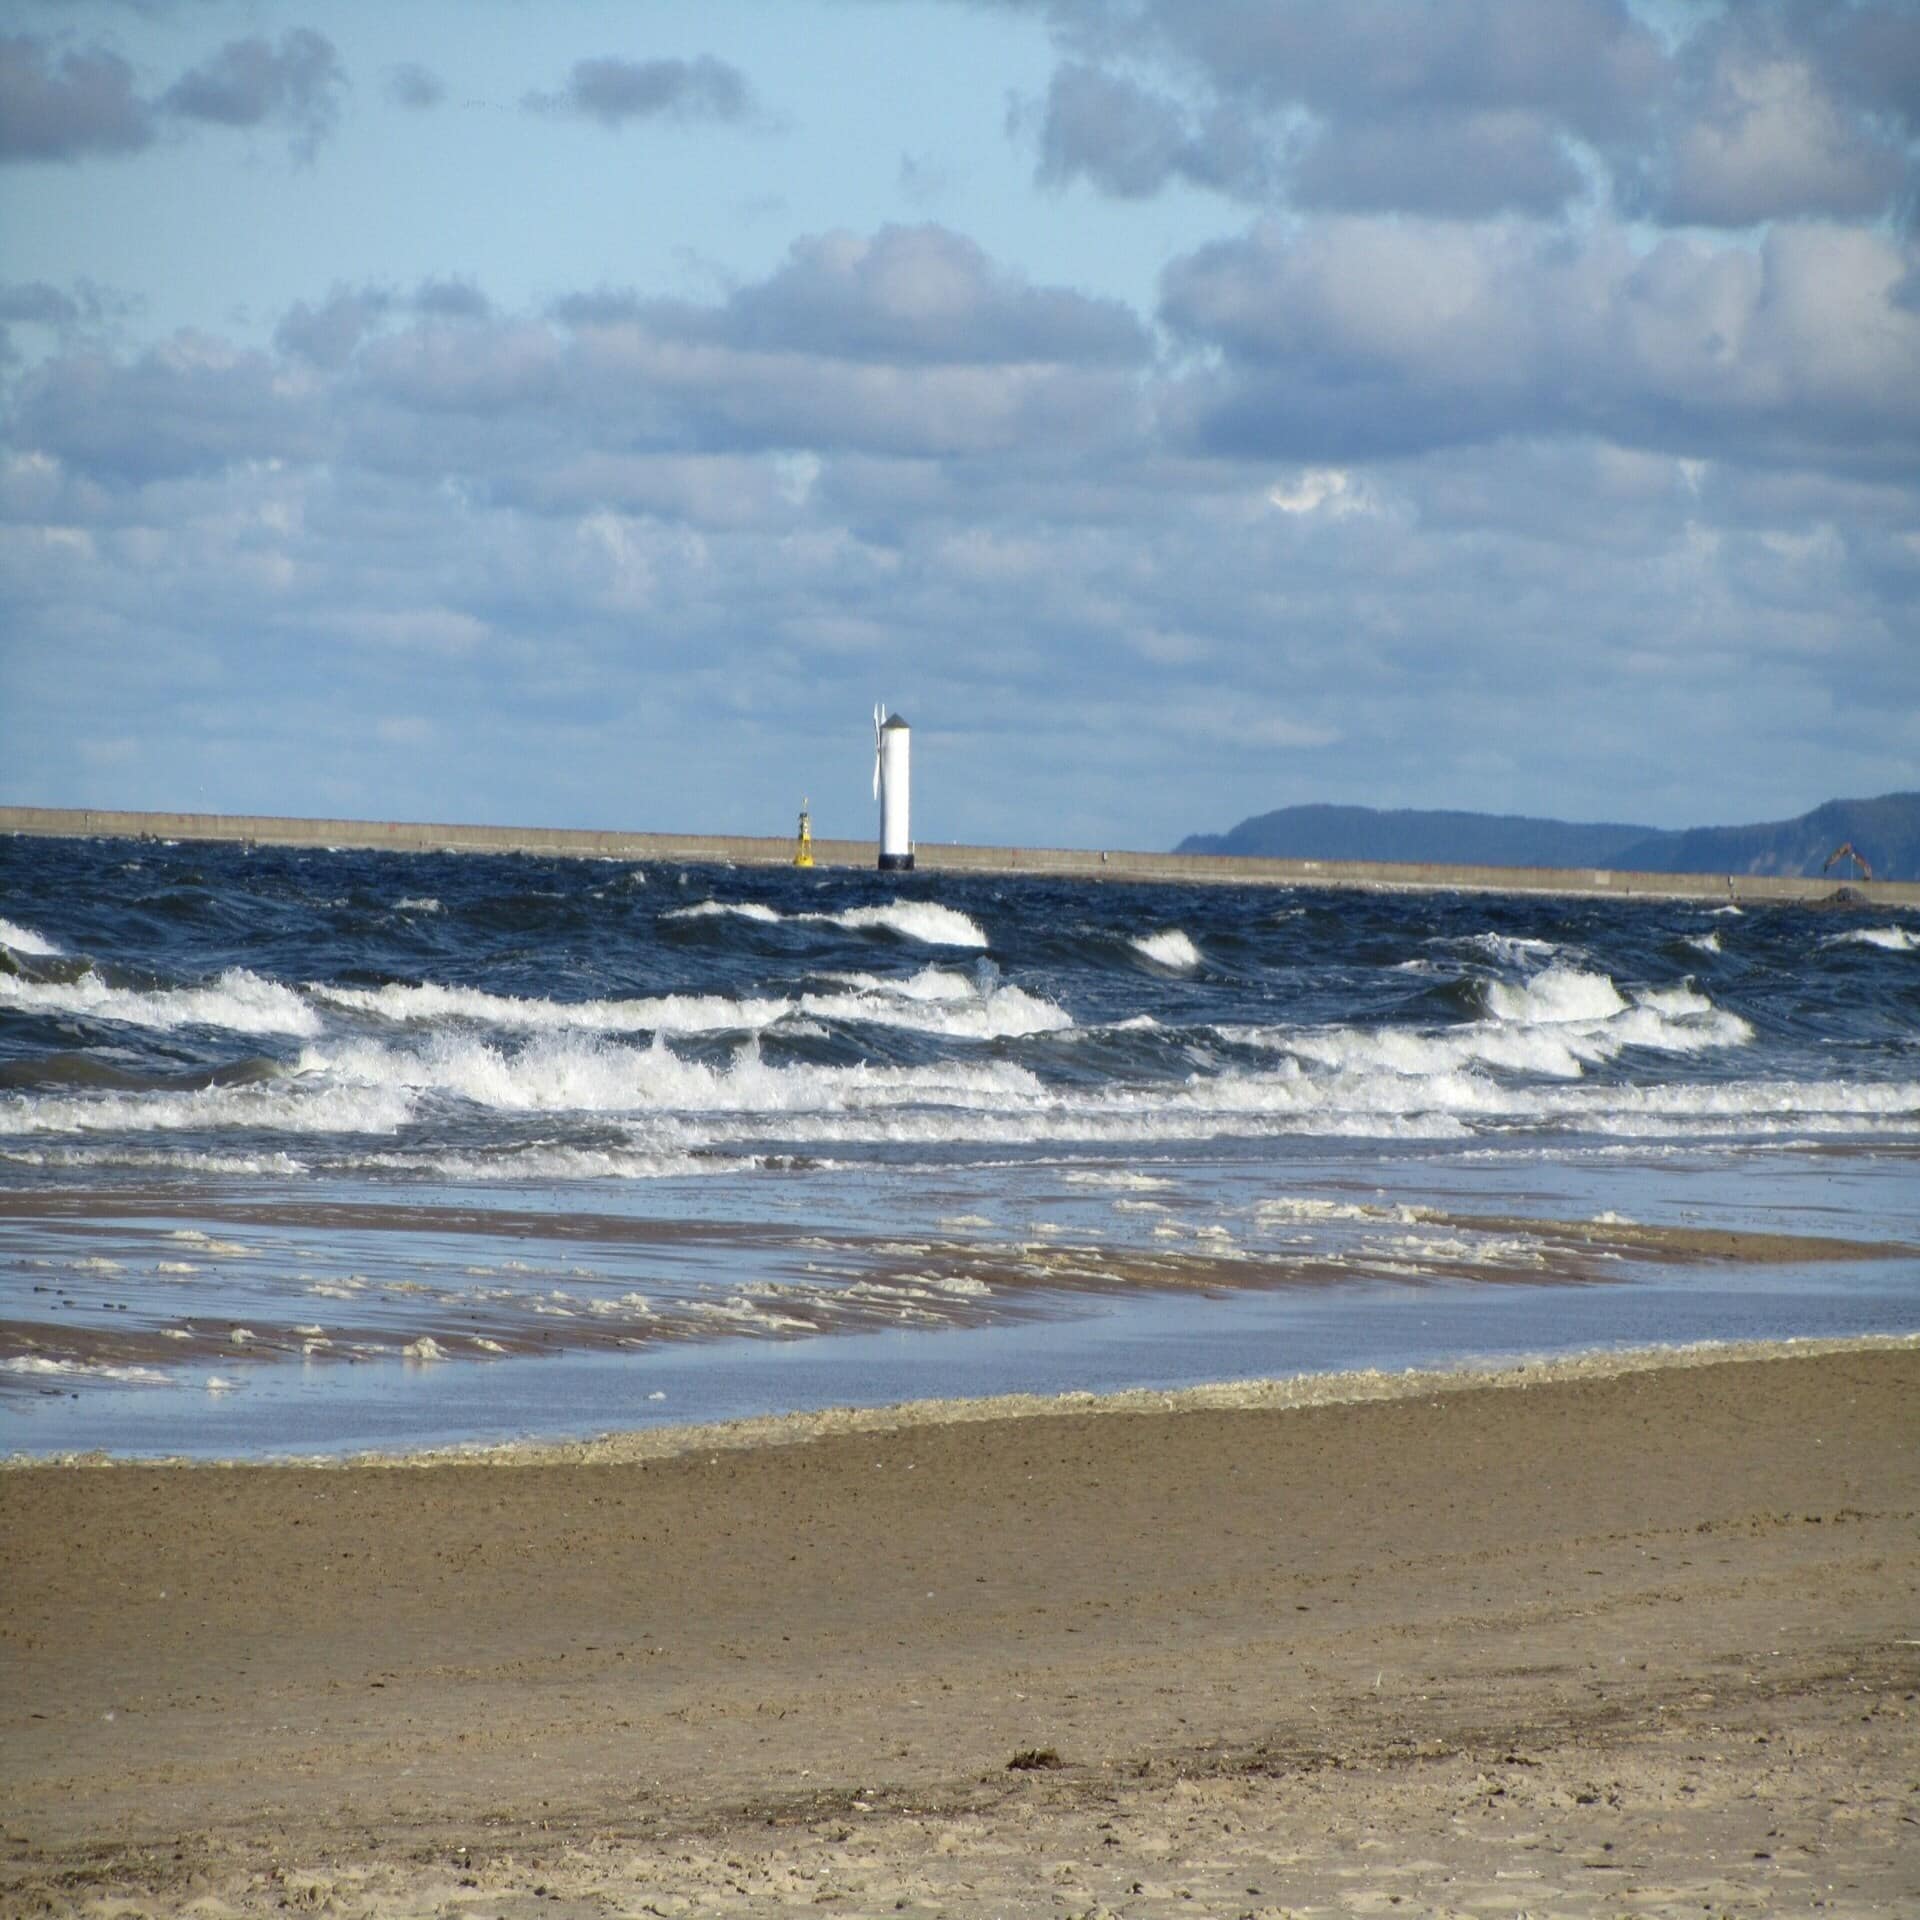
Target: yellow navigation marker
803,847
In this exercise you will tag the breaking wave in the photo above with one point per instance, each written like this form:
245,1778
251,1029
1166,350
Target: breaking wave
923,920
238,1001
25,940
1892,939
1169,948
935,1001
669,1013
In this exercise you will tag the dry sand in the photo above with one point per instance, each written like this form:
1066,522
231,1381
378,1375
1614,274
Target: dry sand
1604,1640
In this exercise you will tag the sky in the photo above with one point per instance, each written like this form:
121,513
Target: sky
578,414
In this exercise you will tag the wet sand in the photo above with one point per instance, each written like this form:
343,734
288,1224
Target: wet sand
1586,1639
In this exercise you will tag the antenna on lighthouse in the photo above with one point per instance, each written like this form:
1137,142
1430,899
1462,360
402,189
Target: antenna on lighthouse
892,742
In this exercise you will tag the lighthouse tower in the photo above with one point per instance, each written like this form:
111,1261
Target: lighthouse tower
892,740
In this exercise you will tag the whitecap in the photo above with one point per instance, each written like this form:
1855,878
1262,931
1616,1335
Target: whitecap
24,940
1510,949
239,1001
428,1001
1555,995
939,1001
713,909
1891,939
1170,948
290,1105
923,920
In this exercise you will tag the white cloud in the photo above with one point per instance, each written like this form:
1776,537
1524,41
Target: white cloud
1315,489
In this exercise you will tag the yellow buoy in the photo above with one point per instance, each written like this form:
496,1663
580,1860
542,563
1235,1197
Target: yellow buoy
803,847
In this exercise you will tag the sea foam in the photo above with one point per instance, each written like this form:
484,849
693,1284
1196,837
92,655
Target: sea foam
25,940
238,1001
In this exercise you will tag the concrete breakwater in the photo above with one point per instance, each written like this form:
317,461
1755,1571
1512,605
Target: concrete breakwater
406,836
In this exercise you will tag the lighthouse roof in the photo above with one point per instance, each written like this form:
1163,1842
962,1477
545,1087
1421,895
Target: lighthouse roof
894,720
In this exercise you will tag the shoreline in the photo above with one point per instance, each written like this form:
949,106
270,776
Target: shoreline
1635,1639
1352,1387
933,857
954,1284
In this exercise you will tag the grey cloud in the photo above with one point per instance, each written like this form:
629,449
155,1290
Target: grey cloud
1361,337
1769,123
188,407
60,107
913,296
1102,127
451,300
615,91
604,307
67,315
1587,63
37,304
1462,109
1778,109
329,334
919,295
1130,142
1458,166
415,86
251,83
1868,52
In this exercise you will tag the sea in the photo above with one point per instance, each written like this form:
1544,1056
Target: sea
310,1152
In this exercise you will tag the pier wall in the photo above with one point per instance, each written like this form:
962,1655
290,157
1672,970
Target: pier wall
407,836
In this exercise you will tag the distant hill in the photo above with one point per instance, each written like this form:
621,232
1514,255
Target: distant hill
1885,831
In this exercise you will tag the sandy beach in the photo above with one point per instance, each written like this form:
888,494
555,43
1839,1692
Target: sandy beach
1595,1638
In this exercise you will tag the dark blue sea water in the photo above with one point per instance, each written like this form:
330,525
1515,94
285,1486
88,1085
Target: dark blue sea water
323,1150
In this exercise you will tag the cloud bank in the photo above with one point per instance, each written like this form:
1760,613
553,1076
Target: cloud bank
1532,420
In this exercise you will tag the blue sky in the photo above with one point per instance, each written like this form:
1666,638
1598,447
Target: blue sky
581,414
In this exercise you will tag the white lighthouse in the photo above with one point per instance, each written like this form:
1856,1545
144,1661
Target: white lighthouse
892,740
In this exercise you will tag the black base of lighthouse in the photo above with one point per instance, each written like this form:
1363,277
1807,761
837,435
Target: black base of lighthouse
896,863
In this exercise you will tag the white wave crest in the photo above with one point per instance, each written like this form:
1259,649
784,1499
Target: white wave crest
417,903
25,940
553,1162
935,1000
924,920
1552,1027
1705,942
1892,939
666,1013
239,1001
1168,948
714,909
939,1001
576,1073
274,1106
1510,949
1555,995
179,1160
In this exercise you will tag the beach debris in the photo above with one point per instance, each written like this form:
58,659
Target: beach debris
1035,1760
